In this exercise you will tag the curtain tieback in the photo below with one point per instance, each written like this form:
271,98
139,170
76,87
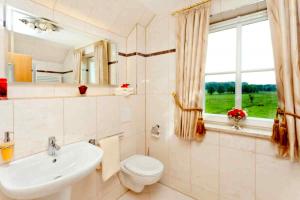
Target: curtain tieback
282,112
200,128
280,134
179,105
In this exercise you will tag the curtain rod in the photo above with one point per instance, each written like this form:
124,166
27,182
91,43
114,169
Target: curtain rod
190,7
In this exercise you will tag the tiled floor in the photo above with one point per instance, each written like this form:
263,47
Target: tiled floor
156,192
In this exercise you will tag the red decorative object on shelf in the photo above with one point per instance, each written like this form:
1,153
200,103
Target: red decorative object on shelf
125,85
82,89
237,115
3,88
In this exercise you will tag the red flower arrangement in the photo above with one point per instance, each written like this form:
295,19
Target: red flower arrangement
236,115
125,85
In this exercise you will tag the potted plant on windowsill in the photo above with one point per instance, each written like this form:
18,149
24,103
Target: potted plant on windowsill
236,116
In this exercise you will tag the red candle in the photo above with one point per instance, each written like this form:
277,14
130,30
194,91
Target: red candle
3,88
82,89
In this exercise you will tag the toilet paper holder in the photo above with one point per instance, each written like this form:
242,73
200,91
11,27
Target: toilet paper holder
155,132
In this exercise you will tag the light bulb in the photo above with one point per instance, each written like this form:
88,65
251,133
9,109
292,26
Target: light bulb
42,26
31,25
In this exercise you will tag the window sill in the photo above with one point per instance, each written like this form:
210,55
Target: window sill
252,127
250,132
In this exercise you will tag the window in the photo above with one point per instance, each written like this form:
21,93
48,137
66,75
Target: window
240,69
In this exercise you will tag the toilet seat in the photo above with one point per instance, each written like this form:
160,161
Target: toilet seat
137,171
143,165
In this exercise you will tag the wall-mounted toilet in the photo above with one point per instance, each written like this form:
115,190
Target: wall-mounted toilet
138,171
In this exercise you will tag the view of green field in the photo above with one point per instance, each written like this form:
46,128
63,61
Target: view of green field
259,104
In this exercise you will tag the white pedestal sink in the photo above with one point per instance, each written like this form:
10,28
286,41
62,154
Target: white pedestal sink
44,177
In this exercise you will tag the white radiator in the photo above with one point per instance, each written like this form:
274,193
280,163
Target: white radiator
48,78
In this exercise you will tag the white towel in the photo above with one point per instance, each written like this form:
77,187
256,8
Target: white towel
123,91
111,156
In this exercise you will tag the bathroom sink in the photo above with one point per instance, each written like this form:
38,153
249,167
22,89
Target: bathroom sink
41,175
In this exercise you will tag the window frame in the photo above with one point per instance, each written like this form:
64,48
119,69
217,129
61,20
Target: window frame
238,23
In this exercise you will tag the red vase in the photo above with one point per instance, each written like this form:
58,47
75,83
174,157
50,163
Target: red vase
3,88
82,89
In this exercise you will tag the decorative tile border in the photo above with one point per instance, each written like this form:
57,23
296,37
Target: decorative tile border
147,55
122,54
112,62
161,52
53,72
66,72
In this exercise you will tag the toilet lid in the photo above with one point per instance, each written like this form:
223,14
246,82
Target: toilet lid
143,165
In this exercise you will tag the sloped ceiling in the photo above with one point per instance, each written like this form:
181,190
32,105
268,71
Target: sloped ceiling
52,52
118,16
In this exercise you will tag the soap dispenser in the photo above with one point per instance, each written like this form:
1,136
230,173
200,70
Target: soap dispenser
7,147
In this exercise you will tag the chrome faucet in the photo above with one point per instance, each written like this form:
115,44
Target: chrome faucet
52,146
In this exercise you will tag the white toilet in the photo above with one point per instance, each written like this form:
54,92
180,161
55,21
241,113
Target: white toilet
139,170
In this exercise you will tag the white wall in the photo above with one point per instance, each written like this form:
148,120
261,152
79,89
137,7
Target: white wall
135,74
223,166
3,43
40,49
62,112
69,64
3,50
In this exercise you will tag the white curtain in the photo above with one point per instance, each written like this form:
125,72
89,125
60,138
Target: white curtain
77,67
192,34
284,16
101,65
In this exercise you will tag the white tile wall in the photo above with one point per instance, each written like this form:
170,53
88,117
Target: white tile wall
158,74
276,179
141,38
131,72
122,69
265,147
141,78
128,145
108,116
132,41
237,174
180,164
158,109
204,168
157,35
80,119
3,47
139,105
6,117
23,91
34,121
237,142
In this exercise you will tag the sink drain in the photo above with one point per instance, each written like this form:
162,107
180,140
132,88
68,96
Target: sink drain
57,177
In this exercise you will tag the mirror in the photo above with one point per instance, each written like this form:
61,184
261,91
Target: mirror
44,51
